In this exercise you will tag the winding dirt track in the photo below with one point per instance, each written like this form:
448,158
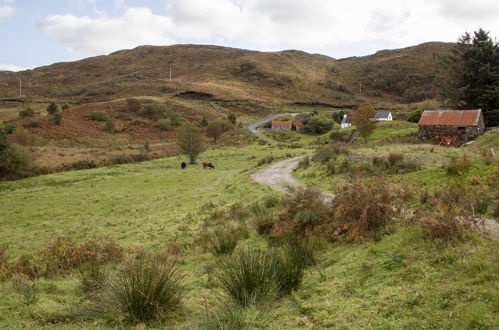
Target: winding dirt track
278,176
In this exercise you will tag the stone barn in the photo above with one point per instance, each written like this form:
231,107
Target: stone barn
450,126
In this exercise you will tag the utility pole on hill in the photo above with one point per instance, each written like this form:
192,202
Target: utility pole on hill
170,73
20,90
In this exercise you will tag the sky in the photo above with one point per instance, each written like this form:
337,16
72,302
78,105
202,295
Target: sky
41,32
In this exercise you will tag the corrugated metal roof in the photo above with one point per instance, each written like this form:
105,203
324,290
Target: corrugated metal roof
281,123
450,118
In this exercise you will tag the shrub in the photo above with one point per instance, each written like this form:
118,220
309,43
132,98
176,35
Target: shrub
203,122
445,226
456,165
270,201
65,107
394,159
10,128
23,137
34,123
14,160
58,118
221,240
138,121
317,124
154,111
265,160
248,277
231,117
304,163
361,209
147,289
62,254
414,116
99,116
52,108
330,168
164,124
329,152
302,212
28,112
110,126
134,105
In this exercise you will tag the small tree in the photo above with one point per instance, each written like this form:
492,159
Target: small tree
414,116
232,118
189,141
134,105
65,107
363,119
58,118
214,130
317,124
52,108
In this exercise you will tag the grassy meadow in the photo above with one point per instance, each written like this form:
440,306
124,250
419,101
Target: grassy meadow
399,279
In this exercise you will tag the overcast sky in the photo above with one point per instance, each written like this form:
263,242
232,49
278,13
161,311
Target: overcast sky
41,32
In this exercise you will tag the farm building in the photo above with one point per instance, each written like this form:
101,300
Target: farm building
346,121
450,126
286,126
383,115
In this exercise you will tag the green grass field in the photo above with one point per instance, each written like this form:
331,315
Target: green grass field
399,281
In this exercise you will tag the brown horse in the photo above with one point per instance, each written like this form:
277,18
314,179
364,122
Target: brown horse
208,165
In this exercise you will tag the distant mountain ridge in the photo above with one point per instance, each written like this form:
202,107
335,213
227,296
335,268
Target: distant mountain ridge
406,74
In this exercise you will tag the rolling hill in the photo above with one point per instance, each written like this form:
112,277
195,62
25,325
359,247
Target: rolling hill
400,75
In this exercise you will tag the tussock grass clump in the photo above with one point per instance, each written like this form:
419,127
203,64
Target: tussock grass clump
263,218
147,289
457,165
230,316
93,277
248,276
223,240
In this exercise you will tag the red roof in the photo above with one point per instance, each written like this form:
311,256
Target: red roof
298,124
281,123
450,118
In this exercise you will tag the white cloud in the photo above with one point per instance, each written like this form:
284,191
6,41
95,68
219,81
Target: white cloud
6,12
9,1
337,28
102,35
11,67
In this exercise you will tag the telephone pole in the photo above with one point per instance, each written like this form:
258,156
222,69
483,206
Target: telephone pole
170,73
20,90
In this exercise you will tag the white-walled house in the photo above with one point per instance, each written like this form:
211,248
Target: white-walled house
346,121
383,115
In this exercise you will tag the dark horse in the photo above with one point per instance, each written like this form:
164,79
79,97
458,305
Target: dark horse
208,165
183,166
